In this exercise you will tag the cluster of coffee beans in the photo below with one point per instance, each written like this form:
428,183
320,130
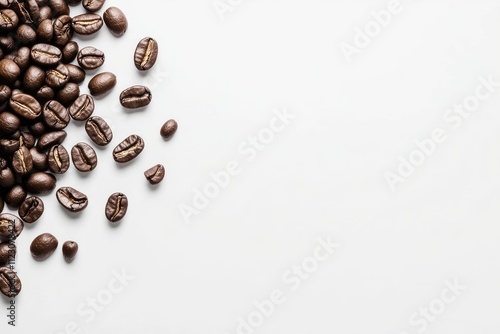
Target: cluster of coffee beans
41,70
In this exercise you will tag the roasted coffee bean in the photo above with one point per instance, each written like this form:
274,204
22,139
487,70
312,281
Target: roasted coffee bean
69,52
57,77
55,115
31,209
26,34
82,108
71,199
45,54
63,31
69,249
7,177
45,93
39,183
90,58
6,3
84,157
155,174
45,13
38,128
58,159
116,207
8,20
7,253
102,83
76,73
48,139
25,106
93,5
9,71
22,162
33,10
68,94
145,54
10,284
7,43
168,129
43,246
115,20
22,57
10,226
34,78
98,130
9,145
21,11
27,139
8,123
135,97
128,149
5,93
59,7
40,160
15,196
87,24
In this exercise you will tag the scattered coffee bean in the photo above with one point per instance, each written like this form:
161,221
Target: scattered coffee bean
84,157
57,77
76,73
40,160
10,284
82,108
90,58
22,162
8,123
168,129
71,199
25,106
98,130
45,54
8,20
135,97
34,78
55,115
68,94
155,174
87,24
58,159
40,182
102,83
69,52
48,139
128,149
15,196
45,31
63,31
116,207
145,54
31,209
115,20
43,246
93,5
69,249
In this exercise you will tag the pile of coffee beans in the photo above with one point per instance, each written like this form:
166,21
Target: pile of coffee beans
41,71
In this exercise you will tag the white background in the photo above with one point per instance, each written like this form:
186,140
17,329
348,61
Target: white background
322,176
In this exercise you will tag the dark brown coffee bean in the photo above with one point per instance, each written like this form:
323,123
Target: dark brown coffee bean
155,174
33,10
10,284
9,71
39,183
68,94
128,149
57,77
58,159
7,177
87,24
84,157
135,97
26,34
71,199
48,139
59,7
20,9
15,196
69,52
102,83
76,73
98,130
38,128
93,5
43,246
9,145
45,54
34,78
82,108
8,123
115,20
55,115
45,93
90,58
69,249
6,3
40,160
22,162
7,253
22,57
45,13
8,20
25,106
31,209
63,31
27,139
145,54
10,226
5,93
168,129
116,207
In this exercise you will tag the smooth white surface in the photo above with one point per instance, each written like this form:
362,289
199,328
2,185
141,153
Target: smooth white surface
323,175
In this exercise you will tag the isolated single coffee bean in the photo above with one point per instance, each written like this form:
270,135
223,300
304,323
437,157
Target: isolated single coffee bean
31,209
128,149
10,284
155,174
87,24
116,207
58,159
69,249
71,199
84,157
102,83
43,246
145,54
98,130
168,129
137,96
115,20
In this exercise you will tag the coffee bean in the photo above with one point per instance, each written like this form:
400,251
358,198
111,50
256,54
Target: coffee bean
98,130
8,20
84,157
25,106
27,139
69,249
39,183
63,30
15,196
168,129
31,209
7,253
22,57
93,5
9,71
43,246
115,20
22,162
34,78
135,97
45,54
57,77
50,138
55,115
45,93
128,149
8,123
10,284
58,159
33,9
45,13
145,54
102,83
40,160
7,177
59,7
82,108
69,52
21,11
68,94
71,199
9,145
116,207
155,174
45,31
10,226
90,58
76,73
26,34
87,24
5,93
